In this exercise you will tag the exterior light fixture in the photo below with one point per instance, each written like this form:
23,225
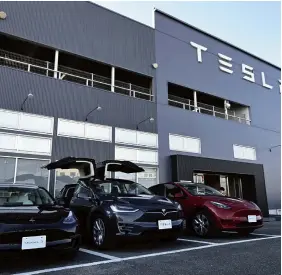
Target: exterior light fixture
270,149
98,108
3,15
227,104
151,120
29,96
155,65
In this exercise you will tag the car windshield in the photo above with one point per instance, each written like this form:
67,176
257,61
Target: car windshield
117,188
200,189
24,196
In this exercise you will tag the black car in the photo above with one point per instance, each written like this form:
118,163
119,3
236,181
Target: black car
30,219
109,208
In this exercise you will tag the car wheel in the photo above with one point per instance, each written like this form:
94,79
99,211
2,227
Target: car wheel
101,237
201,224
245,232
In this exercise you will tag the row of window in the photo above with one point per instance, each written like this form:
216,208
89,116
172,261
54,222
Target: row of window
24,170
193,145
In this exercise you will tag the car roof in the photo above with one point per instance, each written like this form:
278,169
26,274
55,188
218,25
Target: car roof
19,185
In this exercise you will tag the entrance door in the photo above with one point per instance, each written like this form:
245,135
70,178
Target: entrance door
235,187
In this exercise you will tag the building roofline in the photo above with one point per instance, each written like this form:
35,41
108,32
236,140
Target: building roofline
119,14
212,36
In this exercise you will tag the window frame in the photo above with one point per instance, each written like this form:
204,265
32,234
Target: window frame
18,129
183,139
245,147
27,158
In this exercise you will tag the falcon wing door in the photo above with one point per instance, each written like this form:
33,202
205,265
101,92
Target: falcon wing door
116,166
85,166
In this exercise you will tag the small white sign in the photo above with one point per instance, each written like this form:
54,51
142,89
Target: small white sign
33,242
252,218
165,224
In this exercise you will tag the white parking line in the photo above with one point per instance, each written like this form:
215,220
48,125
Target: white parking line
144,256
95,253
194,241
266,235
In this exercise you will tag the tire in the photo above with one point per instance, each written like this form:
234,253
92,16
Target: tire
202,225
100,233
245,232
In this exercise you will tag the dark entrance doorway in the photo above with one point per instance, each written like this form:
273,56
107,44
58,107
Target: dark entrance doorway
243,179
235,185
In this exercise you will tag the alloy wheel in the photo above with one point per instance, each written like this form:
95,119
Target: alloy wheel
98,231
201,225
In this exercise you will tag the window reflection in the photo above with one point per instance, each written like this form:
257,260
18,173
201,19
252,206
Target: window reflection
7,169
64,177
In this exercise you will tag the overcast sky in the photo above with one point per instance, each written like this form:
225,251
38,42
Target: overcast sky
252,26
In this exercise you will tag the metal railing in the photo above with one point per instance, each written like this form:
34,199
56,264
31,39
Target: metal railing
203,108
46,68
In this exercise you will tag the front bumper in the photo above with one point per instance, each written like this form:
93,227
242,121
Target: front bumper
238,220
57,236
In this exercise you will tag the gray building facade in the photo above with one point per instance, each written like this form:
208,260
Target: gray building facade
105,86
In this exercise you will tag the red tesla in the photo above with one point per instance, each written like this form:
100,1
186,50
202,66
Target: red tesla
207,211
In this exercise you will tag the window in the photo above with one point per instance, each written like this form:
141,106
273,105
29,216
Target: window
7,169
63,177
76,129
19,196
242,152
184,144
147,178
25,144
21,170
26,122
30,171
86,192
137,138
136,155
158,189
200,189
119,188
171,190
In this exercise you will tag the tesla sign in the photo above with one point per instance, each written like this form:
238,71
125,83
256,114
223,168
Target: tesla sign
225,65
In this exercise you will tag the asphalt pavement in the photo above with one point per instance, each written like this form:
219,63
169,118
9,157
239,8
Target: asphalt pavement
257,254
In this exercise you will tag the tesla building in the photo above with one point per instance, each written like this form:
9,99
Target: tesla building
79,80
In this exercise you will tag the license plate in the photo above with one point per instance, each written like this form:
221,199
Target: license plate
33,242
252,218
165,224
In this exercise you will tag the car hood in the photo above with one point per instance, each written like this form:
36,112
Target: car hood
145,202
32,214
232,202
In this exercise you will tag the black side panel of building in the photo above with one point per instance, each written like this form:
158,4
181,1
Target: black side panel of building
184,166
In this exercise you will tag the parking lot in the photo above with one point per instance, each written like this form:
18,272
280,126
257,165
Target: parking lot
258,253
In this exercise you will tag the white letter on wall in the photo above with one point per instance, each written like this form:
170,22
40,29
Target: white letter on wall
226,63
264,83
199,49
249,71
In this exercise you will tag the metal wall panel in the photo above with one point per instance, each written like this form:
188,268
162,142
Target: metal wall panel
178,64
85,29
58,98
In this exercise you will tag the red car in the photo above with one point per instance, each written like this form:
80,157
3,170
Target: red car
207,211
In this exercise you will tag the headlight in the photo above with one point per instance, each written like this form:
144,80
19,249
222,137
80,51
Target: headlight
220,205
123,209
70,218
178,206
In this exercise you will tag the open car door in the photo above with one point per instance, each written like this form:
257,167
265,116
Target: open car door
116,166
85,166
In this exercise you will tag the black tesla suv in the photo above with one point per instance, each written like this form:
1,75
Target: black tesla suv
30,219
110,208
